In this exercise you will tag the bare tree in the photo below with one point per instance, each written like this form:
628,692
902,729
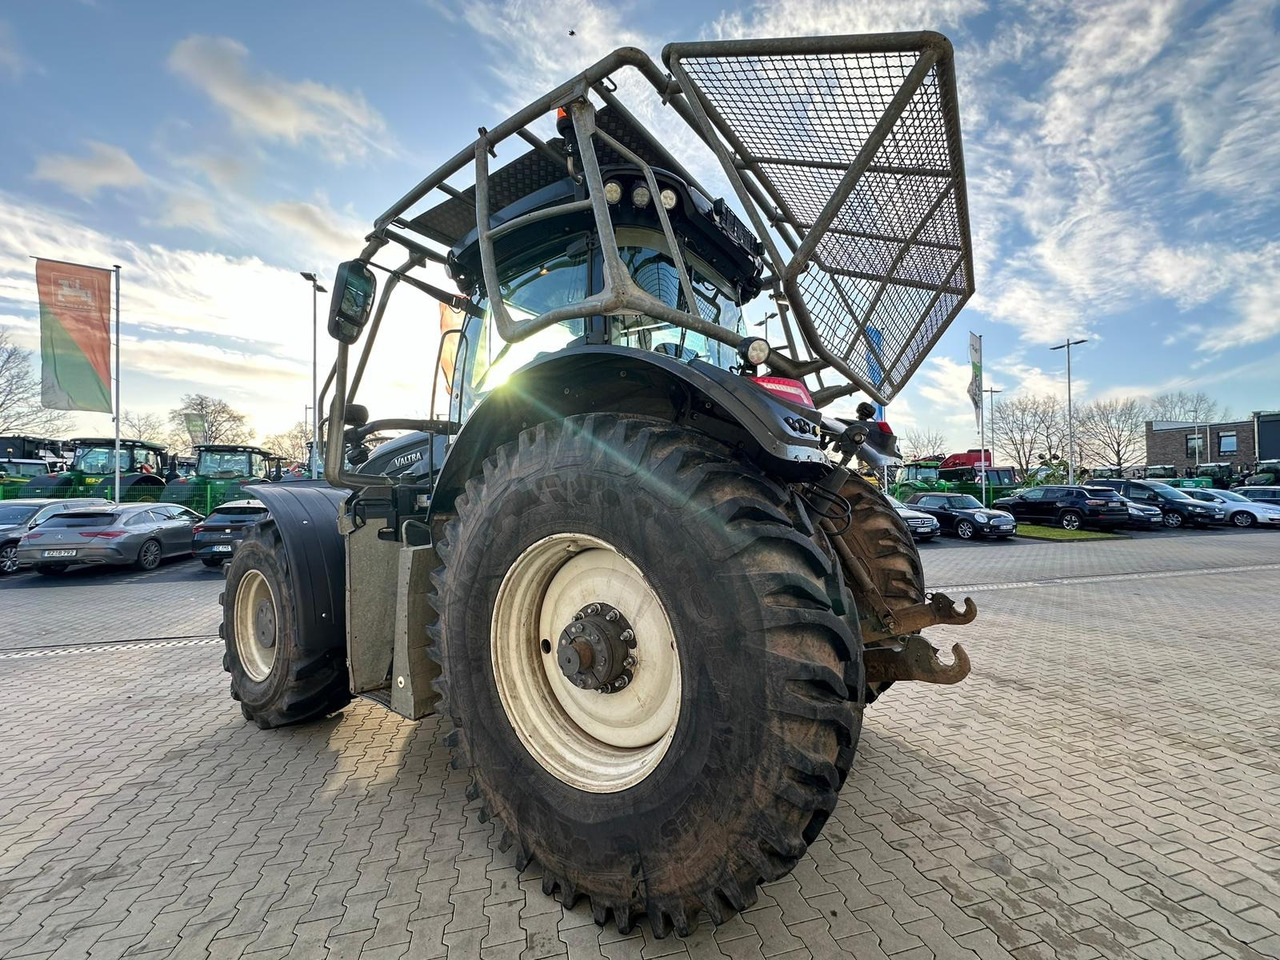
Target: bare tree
20,408
222,422
1185,406
1112,433
1028,429
292,443
137,425
924,442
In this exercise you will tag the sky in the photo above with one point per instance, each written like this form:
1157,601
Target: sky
1123,163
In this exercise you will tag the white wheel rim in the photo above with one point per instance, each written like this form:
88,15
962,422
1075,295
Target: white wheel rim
597,742
257,625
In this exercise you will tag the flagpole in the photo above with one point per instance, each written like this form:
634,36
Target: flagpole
117,416
982,427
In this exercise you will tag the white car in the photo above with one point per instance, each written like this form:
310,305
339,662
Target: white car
1241,511
922,526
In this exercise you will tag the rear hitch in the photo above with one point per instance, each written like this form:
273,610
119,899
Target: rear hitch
913,658
937,608
898,652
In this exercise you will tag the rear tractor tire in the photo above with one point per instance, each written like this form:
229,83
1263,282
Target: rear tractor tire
278,674
644,666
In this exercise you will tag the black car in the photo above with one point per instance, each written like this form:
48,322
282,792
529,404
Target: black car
964,515
1142,516
1067,507
1178,508
216,537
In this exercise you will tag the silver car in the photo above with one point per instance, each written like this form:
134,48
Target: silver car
921,525
19,516
1241,511
141,534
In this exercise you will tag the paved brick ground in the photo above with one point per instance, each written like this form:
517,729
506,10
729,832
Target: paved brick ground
1106,784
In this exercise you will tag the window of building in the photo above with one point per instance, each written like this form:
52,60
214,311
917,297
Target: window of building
1195,446
1226,443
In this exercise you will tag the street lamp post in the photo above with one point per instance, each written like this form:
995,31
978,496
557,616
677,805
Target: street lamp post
316,290
1071,433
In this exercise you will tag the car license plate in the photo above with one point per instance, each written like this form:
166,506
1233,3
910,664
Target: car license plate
59,553
222,548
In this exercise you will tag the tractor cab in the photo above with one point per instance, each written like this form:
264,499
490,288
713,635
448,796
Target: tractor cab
1165,471
93,471
221,471
1219,475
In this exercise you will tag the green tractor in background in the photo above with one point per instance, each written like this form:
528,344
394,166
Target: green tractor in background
222,470
23,458
1215,475
92,472
1001,481
1266,473
919,476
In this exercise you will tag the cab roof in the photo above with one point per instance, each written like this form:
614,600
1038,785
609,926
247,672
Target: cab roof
111,442
230,448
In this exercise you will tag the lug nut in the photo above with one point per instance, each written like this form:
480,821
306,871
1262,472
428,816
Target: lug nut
611,615
629,662
627,636
593,609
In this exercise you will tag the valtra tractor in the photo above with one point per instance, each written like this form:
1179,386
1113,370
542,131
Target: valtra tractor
92,472
638,576
222,471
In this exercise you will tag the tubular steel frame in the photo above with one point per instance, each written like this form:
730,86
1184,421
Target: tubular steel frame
706,80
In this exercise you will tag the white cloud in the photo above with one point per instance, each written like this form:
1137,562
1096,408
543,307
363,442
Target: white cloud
261,105
12,60
332,235
191,211
106,166
799,18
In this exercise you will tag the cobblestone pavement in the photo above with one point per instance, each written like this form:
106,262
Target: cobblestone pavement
1105,784
97,604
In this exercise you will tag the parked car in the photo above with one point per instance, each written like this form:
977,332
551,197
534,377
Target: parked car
921,525
141,534
1241,511
1178,508
964,515
215,538
1067,507
1142,516
1260,494
19,516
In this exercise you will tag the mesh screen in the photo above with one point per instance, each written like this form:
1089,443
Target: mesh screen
892,269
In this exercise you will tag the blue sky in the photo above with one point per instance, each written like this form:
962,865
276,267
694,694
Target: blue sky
1123,160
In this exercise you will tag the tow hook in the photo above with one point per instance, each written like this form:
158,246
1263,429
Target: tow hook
913,658
937,608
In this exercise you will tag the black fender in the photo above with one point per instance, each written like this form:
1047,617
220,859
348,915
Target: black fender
781,437
54,486
128,483
306,514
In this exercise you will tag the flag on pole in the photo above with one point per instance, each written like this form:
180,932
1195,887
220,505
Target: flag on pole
975,383
75,336
197,428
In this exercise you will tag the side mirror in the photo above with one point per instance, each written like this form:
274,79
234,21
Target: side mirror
353,290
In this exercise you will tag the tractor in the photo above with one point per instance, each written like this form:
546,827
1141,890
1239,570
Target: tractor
1265,473
628,558
93,468
222,470
919,476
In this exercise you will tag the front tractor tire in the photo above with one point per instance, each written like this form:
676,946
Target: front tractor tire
644,666
279,675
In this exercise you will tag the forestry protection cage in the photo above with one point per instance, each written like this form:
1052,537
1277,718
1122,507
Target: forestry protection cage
845,153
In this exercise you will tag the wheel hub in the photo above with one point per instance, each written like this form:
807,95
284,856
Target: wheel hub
594,650
264,623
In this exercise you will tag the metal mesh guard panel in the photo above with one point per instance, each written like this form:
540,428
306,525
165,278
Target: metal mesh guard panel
894,266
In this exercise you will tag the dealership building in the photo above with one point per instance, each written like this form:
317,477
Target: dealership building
1239,442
